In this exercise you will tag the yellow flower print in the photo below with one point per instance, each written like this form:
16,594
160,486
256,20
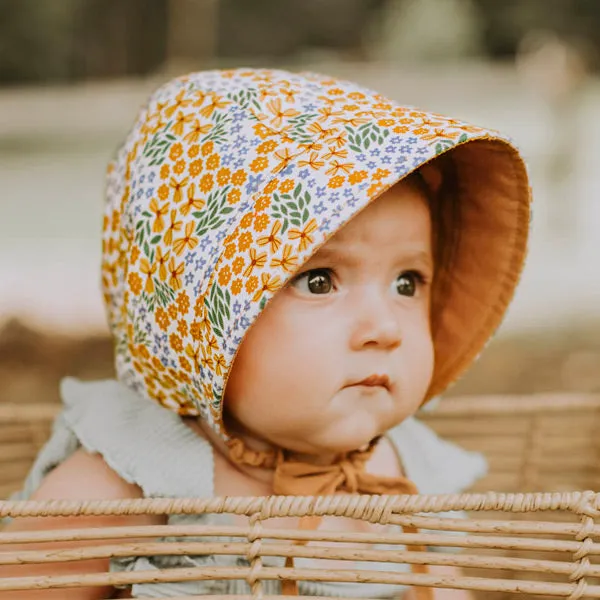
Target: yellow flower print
266,147
163,191
420,130
256,260
194,355
148,270
259,164
178,186
179,167
335,153
183,302
175,272
339,140
239,177
234,196
268,284
201,97
230,251
195,132
351,121
161,260
262,203
286,185
191,202
238,265
195,167
215,103
356,96
162,319
350,107
400,129
207,148
385,122
135,283
213,161
193,151
224,275
272,238
220,364
195,330
252,284
380,174
337,166
182,327
271,186
320,131
336,182
245,240
206,361
328,112
165,170
211,343
304,234
223,176
179,103
357,177
236,286
288,93
441,133
260,222
207,182
175,342
172,310
180,122
262,131
135,254
279,114
187,241
287,261
185,364
285,158
173,226
312,147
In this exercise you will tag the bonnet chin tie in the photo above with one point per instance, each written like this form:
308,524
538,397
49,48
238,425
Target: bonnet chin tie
297,478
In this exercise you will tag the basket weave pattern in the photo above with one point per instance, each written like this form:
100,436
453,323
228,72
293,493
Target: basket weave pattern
538,544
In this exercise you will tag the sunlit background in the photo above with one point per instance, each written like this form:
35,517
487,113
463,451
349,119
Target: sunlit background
73,73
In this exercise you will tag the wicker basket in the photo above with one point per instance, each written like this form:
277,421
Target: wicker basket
532,544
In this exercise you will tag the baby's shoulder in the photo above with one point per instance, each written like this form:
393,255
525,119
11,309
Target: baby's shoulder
85,475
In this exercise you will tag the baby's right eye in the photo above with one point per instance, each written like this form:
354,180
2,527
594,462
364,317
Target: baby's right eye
316,281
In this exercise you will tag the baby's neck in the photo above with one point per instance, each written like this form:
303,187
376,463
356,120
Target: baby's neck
261,474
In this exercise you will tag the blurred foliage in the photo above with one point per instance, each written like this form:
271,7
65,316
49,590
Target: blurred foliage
68,40
64,40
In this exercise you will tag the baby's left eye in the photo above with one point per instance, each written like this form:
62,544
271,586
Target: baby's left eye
407,283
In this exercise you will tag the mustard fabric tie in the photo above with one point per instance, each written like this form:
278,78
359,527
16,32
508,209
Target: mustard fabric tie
349,475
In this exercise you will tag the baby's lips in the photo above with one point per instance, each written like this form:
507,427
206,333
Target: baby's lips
375,380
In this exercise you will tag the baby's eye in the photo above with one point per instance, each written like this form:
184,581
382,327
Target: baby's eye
407,283
316,281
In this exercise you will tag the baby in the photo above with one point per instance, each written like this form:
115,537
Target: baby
292,266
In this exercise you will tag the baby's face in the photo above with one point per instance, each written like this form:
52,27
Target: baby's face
343,352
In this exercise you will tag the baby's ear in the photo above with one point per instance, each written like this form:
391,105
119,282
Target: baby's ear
432,175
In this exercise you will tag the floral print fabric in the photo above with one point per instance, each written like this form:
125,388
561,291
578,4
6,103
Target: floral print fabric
228,182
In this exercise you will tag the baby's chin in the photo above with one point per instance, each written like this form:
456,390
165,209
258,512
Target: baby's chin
346,437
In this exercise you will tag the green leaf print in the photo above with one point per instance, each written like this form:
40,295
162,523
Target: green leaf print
291,208
218,305
157,146
213,214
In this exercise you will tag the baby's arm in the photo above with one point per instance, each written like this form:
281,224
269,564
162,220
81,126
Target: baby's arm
82,476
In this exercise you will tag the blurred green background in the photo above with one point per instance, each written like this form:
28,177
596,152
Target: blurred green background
74,72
